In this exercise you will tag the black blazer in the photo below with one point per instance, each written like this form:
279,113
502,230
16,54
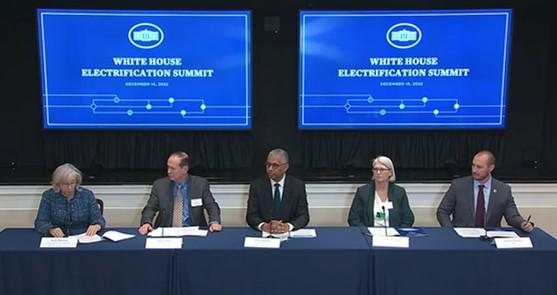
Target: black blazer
293,207
361,211
161,201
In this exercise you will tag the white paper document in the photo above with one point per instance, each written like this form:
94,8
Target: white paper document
395,242
251,242
58,242
304,233
163,243
116,236
501,234
85,239
178,232
282,237
470,232
380,231
512,243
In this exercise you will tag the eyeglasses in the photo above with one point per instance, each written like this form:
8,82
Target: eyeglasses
68,184
273,166
380,170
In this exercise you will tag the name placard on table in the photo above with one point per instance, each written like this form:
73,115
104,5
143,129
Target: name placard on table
393,242
513,243
163,243
250,242
58,242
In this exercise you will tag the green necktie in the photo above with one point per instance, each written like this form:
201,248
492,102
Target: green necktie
276,203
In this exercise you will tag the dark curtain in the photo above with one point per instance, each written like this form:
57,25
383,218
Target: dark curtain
407,149
529,139
148,150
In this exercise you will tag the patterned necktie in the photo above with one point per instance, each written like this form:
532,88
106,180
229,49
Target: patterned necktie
276,203
480,208
178,208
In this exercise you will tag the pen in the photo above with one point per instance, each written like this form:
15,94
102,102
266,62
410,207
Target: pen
528,219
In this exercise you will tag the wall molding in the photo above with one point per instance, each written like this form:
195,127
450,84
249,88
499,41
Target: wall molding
329,202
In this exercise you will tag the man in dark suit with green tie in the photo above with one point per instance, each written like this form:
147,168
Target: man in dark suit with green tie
277,202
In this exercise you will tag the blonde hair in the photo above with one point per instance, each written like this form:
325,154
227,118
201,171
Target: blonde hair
385,161
63,173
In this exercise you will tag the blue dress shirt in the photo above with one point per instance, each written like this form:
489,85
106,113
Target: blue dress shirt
186,220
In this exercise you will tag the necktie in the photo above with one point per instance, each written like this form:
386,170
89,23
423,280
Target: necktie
178,208
480,208
276,203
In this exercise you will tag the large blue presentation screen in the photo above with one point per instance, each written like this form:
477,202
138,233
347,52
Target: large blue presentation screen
403,69
145,69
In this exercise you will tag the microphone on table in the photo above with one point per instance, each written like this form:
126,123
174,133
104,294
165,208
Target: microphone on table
69,225
485,237
384,219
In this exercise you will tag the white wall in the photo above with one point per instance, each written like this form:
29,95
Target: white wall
328,203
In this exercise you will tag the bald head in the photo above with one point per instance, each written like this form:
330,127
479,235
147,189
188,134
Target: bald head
489,155
482,166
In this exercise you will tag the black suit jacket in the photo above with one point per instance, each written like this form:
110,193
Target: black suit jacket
161,201
293,206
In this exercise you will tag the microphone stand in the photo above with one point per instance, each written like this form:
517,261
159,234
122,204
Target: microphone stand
485,237
384,219
69,225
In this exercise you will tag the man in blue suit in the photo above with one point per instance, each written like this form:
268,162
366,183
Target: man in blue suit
480,200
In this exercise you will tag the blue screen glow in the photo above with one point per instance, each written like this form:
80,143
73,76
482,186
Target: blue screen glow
145,69
403,69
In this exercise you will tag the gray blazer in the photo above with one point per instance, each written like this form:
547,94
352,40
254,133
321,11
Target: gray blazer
459,202
161,201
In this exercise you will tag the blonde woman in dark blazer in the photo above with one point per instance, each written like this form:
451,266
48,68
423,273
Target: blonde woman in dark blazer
379,198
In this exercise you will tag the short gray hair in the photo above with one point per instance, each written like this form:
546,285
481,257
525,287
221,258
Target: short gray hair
282,153
64,173
385,161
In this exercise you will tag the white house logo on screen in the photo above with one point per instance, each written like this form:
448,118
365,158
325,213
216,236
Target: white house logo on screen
146,35
404,35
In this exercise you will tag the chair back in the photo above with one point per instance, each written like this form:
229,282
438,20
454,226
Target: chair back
101,205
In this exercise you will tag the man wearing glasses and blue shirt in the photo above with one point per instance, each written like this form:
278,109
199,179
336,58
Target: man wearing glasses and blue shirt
180,199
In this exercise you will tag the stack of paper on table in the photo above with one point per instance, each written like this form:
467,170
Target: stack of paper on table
178,232
380,231
116,236
304,233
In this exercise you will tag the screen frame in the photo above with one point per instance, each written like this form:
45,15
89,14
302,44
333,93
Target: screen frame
249,67
506,81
